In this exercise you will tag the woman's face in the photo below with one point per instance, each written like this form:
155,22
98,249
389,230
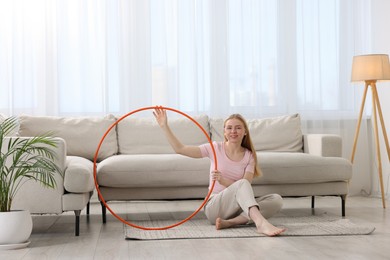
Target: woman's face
234,130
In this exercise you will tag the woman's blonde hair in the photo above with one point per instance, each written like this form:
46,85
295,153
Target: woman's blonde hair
246,141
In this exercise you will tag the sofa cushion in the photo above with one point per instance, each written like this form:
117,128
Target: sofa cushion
291,168
78,175
153,170
144,136
82,134
172,170
280,134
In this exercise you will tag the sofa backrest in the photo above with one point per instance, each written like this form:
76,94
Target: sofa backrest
144,136
81,134
14,131
279,134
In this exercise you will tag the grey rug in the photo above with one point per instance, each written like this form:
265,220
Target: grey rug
315,225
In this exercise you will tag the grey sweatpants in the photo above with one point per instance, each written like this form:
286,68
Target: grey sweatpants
236,200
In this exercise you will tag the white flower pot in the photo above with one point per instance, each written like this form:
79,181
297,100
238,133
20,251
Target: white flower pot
15,226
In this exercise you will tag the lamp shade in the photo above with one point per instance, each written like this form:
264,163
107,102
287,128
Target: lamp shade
370,67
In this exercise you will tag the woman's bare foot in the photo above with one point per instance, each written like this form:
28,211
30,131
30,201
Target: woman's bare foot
265,227
268,229
262,225
222,223
227,223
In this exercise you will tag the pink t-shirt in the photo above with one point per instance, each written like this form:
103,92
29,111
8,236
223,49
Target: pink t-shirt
229,169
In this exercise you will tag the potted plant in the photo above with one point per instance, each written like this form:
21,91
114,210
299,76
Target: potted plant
22,159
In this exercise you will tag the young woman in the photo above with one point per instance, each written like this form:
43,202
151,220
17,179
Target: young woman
232,201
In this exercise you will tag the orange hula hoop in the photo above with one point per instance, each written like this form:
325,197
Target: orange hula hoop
95,173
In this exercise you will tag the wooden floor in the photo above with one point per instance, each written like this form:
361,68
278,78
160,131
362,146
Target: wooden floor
53,236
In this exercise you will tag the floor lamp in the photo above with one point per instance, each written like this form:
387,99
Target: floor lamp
370,68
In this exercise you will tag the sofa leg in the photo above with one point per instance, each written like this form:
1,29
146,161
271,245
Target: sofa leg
104,212
343,199
88,204
77,222
312,201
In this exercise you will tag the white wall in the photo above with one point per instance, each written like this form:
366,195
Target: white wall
380,14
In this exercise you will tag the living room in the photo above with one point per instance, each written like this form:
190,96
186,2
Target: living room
262,59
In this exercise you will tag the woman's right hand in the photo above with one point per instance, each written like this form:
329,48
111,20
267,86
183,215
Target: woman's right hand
216,175
161,116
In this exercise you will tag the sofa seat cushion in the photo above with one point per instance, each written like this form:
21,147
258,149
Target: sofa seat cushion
153,170
290,168
78,175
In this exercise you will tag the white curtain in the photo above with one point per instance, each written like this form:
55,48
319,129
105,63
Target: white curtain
256,57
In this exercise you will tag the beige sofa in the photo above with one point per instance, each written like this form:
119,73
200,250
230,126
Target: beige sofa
135,162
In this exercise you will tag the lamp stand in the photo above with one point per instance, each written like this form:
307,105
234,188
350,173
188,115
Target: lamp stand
376,108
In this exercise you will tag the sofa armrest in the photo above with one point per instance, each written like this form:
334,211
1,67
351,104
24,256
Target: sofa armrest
78,175
33,196
326,145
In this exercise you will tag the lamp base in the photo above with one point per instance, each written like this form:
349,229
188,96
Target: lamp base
376,109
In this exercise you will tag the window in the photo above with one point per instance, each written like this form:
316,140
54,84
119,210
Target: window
256,57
